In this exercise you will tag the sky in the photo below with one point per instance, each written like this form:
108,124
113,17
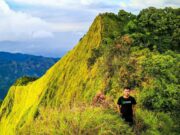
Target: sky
52,27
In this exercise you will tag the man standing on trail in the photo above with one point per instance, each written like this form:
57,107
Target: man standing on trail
126,106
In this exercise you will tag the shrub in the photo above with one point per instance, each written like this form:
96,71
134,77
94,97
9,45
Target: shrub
96,53
151,123
24,80
0,102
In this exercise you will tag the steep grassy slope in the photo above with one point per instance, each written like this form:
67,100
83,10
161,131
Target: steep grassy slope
68,78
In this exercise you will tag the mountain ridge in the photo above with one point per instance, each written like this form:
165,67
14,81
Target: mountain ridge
34,100
105,60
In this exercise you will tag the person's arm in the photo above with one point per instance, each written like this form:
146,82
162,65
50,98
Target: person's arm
134,109
119,106
134,106
119,110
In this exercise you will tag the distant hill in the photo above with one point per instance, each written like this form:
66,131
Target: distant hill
15,65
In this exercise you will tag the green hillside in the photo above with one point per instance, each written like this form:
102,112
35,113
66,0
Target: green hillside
118,50
16,65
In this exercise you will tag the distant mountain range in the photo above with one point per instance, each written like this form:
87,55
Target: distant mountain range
15,65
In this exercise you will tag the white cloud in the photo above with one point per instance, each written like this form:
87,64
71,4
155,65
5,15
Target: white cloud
41,34
19,25
101,5
16,26
4,7
86,2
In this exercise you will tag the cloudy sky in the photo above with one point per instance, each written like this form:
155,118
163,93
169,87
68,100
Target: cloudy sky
52,27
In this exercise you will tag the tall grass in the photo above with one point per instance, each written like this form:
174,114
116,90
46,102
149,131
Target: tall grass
78,120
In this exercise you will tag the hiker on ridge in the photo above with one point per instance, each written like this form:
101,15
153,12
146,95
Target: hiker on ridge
126,106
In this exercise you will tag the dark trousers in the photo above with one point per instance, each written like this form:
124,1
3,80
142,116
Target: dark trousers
128,119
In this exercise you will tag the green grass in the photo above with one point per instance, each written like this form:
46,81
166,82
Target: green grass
77,120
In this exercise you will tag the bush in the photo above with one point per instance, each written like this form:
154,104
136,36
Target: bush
96,53
0,102
151,123
24,80
161,94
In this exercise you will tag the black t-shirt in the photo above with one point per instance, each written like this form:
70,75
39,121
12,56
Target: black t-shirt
126,104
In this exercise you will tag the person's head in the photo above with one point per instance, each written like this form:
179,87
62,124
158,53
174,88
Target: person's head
126,91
